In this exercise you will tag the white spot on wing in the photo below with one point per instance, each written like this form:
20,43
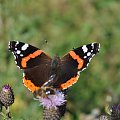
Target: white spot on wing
85,49
23,74
93,55
24,47
83,68
87,64
14,55
90,59
91,50
99,47
15,62
21,55
92,45
89,53
18,51
18,66
78,73
9,44
17,42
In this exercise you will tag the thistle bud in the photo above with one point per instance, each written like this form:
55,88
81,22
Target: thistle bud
6,96
54,113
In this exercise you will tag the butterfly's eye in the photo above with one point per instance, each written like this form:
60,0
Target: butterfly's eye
49,91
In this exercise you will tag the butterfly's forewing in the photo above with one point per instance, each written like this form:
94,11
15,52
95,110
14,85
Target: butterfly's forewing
34,62
74,62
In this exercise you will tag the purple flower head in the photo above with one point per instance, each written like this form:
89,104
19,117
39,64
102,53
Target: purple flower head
6,88
52,101
116,108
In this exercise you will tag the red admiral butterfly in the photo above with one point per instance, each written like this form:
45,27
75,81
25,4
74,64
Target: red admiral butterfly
41,70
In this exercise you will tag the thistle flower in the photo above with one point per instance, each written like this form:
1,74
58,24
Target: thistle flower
6,96
54,105
52,101
115,112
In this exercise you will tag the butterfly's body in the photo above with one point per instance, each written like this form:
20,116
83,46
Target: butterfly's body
43,73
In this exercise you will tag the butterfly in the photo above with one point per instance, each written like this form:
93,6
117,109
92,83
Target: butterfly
41,71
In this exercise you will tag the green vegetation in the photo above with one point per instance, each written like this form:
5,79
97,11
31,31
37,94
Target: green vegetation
64,24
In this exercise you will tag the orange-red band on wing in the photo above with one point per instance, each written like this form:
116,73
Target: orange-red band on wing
33,55
69,82
30,85
76,57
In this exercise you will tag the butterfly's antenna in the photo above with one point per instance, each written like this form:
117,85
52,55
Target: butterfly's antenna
43,42
46,41
73,48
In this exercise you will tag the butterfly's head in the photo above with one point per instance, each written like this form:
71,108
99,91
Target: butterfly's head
44,92
55,62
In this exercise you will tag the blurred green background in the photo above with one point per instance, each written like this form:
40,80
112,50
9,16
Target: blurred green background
65,24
